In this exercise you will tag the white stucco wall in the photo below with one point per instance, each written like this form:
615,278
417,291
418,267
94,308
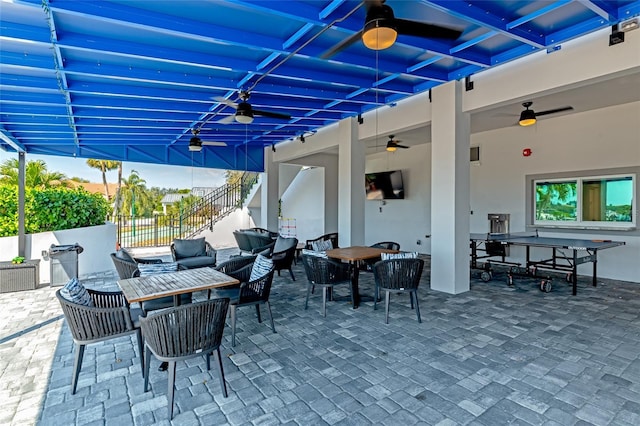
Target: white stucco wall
97,242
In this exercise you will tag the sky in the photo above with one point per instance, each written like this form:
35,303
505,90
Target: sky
154,174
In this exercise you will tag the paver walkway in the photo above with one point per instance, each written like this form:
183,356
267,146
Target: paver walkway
494,355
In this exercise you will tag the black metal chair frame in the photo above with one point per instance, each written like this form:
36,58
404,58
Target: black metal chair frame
325,273
398,276
110,317
185,332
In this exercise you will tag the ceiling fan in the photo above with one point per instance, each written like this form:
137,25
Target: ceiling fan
245,112
381,28
195,143
393,144
528,116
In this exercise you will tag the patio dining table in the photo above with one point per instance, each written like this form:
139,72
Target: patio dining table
140,289
353,255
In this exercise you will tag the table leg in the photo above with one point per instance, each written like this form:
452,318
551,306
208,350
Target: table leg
354,286
574,280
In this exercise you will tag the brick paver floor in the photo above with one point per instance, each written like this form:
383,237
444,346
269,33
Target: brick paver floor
491,356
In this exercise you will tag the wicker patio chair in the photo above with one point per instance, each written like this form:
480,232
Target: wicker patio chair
367,265
325,273
333,237
184,332
255,293
231,268
399,276
284,253
127,266
110,317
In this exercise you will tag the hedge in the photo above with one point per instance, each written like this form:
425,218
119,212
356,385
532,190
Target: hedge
51,209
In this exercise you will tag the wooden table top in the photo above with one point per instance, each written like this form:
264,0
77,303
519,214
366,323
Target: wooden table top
151,287
356,253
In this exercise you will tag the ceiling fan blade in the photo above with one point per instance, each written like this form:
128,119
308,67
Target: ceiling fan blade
211,143
228,119
342,45
271,114
424,30
553,111
225,101
401,146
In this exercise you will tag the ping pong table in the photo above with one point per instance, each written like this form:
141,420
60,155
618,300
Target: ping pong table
496,247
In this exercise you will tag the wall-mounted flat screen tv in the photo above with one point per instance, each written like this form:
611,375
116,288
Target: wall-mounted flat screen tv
384,185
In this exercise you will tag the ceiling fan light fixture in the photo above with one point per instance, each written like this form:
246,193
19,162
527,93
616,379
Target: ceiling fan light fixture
378,35
195,144
391,147
527,118
242,117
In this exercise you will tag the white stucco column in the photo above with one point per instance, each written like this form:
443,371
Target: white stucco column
449,190
351,165
269,194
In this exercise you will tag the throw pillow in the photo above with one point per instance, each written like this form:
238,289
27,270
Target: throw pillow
261,267
322,245
321,254
124,255
75,292
147,269
402,255
189,248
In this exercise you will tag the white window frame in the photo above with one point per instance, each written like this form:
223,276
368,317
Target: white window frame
579,223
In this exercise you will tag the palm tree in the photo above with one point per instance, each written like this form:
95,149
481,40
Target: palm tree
36,174
136,195
104,166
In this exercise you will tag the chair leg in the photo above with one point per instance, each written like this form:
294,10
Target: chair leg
258,312
171,387
140,349
324,301
387,297
415,296
147,361
77,365
411,294
306,302
232,311
223,384
292,276
376,294
273,327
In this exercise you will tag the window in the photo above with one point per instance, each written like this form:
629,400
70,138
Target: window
589,201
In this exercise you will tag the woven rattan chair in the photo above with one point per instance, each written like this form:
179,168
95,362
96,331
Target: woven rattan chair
399,276
110,317
129,268
325,273
333,236
231,268
184,332
284,253
367,265
255,293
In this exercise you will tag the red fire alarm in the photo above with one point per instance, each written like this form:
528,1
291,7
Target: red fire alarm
526,152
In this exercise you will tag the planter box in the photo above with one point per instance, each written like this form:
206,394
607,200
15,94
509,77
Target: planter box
23,276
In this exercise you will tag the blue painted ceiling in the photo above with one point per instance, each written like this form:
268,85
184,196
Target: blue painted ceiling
129,80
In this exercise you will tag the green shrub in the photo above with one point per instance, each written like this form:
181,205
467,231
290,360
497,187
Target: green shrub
50,209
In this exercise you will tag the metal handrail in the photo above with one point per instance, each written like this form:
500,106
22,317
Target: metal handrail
161,230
